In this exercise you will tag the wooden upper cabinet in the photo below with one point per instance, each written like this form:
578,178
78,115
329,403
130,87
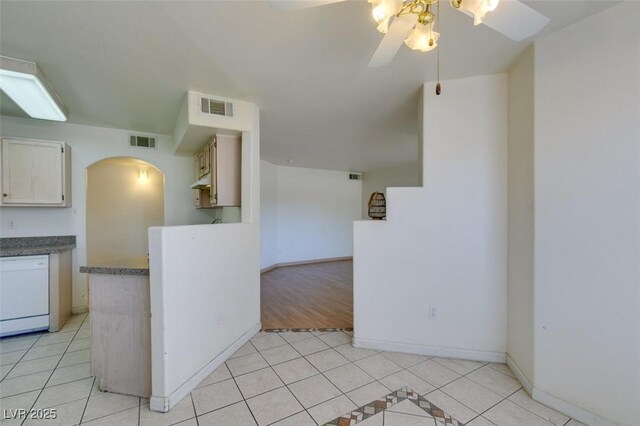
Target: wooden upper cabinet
221,160
196,192
36,173
206,161
226,169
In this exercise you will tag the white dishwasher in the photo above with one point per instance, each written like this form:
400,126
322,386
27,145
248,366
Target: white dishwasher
24,294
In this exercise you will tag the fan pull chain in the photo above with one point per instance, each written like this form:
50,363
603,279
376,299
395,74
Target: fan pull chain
438,87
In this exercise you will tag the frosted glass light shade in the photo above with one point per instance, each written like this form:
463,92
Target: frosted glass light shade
25,84
479,8
422,38
383,11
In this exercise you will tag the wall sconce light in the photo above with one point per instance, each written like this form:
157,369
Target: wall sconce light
143,176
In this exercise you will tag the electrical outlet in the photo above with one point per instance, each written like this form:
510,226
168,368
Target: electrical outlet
11,224
433,312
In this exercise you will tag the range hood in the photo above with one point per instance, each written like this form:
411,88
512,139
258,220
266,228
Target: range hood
203,183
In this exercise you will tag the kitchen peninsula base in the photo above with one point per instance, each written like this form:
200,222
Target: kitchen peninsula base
119,301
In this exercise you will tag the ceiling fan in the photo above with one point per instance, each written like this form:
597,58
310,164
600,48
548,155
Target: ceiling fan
416,22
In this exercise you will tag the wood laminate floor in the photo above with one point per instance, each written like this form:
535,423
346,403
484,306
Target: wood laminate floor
318,295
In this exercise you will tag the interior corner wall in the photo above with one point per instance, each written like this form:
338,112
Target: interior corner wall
443,245
520,149
88,145
268,215
308,214
408,175
316,210
587,223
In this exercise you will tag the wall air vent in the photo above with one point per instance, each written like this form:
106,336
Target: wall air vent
355,176
215,107
142,141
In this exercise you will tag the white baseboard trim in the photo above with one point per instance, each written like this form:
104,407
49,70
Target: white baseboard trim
557,404
439,351
164,404
522,378
79,310
573,411
305,262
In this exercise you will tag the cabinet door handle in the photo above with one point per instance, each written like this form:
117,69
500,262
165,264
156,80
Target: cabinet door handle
4,194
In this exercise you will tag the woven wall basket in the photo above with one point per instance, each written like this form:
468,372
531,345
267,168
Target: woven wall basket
377,206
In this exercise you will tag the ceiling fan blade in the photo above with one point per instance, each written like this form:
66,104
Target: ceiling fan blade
515,20
392,40
300,4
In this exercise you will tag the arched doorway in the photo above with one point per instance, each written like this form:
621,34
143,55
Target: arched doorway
125,196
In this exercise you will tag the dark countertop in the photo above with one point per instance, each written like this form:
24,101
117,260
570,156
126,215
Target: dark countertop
27,246
131,266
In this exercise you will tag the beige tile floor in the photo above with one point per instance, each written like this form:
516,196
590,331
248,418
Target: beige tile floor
293,378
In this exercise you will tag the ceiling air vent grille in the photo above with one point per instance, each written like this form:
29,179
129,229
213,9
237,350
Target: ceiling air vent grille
215,107
355,176
142,141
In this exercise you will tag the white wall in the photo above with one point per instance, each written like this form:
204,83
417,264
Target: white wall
308,214
520,289
90,144
408,175
443,244
121,207
268,215
205,289
316,210
587,224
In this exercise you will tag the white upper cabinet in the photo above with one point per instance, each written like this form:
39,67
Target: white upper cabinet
36,173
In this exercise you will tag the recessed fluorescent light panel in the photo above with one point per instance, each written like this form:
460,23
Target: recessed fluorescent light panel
25,84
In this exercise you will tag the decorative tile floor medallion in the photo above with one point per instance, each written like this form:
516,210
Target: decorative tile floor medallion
382,404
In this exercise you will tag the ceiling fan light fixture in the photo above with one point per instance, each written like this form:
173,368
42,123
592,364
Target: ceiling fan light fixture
477,8
422,38
383,11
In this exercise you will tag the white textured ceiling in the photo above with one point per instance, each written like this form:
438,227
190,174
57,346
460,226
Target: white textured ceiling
129,65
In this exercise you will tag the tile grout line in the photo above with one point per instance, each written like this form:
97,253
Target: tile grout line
18,361
436,388
525,408
54,370
375,380
321,373
329,380
494,405
139,408
34,372
285,384
440,388
193,404
86,404
487,364
240,390
302,357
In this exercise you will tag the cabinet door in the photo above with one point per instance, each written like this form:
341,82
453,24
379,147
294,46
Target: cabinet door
206,161
226,171
32,172
196,167
213,168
